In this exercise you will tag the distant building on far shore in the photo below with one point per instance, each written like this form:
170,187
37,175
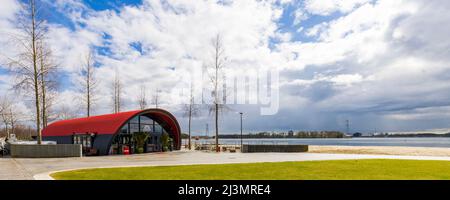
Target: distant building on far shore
291,133
357,134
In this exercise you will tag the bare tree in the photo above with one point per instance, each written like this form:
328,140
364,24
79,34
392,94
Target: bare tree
191,110
13,118
216,75
9,115
42,83
5,105
88,83
66,112
155,98
26,65
155,101
117,92
142,99
48,80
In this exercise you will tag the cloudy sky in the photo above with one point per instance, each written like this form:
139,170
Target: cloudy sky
382,64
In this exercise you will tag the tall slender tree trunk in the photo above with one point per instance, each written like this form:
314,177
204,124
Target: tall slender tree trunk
7,131
189,125
216,105
88,89
36,75
117,92
43,88
217,128
89,83
115,98
44,106
13,126
88,103
118,95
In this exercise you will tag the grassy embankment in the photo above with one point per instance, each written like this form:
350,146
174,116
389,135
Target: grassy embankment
373,169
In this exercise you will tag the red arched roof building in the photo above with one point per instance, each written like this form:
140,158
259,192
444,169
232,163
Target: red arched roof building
110,125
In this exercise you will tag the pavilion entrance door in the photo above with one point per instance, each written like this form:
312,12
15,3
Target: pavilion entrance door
152,144
122,144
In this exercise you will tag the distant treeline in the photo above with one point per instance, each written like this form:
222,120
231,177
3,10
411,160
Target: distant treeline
186,136
313,134
290,134
22,132
414,135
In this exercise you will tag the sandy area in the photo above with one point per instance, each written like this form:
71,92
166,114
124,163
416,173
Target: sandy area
381,150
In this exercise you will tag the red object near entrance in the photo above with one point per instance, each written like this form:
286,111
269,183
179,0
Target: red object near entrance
126,150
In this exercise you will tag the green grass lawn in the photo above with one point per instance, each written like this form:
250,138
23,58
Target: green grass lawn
307,170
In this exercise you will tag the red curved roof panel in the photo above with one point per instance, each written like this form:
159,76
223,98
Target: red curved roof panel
102,124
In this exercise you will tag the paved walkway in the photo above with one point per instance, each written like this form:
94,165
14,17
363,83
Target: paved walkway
11,170
29,168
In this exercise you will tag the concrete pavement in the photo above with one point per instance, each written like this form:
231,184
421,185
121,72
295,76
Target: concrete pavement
40,168
11,170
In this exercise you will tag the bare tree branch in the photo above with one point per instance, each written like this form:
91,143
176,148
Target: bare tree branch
88,82
156,98
117,92
142,99
9,114
48,80
191,110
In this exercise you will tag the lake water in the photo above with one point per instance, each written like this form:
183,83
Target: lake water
407,142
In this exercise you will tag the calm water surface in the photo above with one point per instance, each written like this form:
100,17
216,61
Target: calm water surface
408,142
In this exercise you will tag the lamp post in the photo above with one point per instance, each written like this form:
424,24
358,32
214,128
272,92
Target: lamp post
241,129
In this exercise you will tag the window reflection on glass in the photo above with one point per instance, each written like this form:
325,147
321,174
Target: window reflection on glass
146,120
146,128
158,128
134,119
146,125
124,129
